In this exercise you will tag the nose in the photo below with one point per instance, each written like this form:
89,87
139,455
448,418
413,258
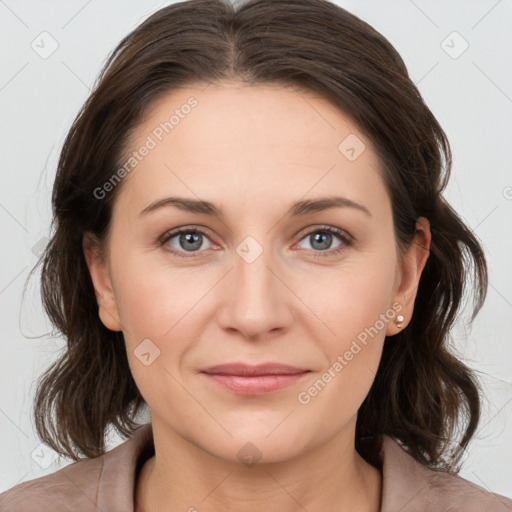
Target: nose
254,299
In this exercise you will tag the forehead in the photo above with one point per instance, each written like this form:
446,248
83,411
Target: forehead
237,115
263,139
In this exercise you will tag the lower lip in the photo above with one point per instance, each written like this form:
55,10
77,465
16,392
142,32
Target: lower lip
256,385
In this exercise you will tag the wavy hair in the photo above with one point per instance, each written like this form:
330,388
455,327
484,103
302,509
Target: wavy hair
423,396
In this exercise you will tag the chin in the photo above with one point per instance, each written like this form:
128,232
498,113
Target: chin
255,446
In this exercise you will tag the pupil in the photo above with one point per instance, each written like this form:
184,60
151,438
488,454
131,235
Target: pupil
188,238
324,236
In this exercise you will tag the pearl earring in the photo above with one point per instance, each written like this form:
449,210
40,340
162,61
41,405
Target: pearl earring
399,320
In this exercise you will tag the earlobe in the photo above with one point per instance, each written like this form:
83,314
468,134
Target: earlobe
411,267
100,277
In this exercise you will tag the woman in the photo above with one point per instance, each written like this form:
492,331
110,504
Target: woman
294,356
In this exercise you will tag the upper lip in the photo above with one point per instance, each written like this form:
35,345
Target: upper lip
250,370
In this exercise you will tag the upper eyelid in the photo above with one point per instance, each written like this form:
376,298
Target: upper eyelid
325,227
171,233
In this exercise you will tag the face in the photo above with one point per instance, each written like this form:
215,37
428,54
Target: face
260,280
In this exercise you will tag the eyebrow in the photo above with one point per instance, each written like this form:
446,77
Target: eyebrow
296,210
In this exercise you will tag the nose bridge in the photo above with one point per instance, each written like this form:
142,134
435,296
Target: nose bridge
254,301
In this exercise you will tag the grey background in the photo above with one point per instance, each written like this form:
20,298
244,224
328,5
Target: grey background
470,92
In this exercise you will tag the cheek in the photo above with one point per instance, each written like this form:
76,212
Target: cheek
152,296
350,298
156,306
157,300
355,304
163,304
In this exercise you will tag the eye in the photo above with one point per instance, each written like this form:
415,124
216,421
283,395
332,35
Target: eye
188,240
320,241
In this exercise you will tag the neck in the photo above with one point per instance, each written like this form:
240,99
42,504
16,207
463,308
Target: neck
182,476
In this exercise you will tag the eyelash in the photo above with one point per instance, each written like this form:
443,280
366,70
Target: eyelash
347,240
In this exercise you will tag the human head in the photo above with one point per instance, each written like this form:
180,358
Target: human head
416,394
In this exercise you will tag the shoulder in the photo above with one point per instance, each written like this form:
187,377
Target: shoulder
74,487
412,487
89,485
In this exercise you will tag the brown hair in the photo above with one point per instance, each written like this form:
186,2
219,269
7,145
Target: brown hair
422,396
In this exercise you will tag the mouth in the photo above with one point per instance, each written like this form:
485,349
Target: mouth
246,379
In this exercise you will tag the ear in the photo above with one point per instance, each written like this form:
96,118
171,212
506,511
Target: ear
409,273
100,276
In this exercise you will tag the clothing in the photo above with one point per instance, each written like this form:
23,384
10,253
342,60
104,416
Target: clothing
107,484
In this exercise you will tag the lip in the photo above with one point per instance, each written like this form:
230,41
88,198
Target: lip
246,379
246,370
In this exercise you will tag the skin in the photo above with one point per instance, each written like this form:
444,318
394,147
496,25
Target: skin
253,151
